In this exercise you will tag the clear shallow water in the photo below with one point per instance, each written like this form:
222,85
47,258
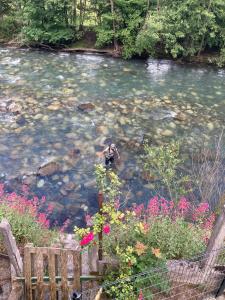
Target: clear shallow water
133,100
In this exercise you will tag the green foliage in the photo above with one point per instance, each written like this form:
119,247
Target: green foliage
178,29
46,21
162,164
121,22
183,29
25,228
9,27
107,182
221,60
140,242
179,239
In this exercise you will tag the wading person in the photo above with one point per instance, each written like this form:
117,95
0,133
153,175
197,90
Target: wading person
110,153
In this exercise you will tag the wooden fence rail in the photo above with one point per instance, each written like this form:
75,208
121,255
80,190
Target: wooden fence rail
51,272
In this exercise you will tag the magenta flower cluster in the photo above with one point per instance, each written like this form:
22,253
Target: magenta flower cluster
22,205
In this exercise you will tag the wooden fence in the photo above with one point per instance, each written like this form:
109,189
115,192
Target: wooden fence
51,273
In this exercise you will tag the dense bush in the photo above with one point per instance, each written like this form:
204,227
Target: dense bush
183,28
142,238
9,28
161,164
171,28
28,223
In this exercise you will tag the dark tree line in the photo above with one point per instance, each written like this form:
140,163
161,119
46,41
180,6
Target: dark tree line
177,28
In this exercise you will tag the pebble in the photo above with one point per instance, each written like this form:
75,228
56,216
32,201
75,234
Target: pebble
84,207
167,132
210,126
40,183
38,116
66,179
54,106
172,125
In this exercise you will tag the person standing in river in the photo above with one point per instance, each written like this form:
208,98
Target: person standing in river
110,153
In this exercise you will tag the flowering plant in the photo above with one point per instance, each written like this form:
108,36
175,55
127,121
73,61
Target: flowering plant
28,217
143,237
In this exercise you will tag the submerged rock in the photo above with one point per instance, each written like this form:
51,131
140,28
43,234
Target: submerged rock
49,169
21,121
180,117
14,108
55,106
85,107
167,132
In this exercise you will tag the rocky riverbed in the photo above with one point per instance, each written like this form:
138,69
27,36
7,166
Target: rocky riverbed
58,112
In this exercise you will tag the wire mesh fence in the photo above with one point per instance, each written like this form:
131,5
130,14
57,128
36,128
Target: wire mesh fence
196,279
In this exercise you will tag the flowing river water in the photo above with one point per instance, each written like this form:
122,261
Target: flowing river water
41,120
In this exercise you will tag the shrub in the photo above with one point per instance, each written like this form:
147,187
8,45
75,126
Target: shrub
161,163
9,28
221,60
142,238
28,222
107,182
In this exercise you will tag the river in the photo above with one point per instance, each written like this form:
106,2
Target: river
128,101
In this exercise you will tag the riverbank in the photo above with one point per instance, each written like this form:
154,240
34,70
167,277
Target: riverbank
87,46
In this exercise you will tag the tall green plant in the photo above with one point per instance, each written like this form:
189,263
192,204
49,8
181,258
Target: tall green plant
162,163
107,182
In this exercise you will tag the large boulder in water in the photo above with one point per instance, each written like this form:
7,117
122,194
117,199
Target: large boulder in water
49,169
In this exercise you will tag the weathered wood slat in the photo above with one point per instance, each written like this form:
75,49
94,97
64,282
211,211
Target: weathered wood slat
52,273
12,250
57,279
40,274
77,270
64,274
27,272
44,250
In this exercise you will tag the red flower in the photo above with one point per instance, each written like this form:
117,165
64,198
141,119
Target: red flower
87,239
106,229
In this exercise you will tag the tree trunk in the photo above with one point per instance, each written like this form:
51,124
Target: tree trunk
203,36
115,42
158,6
81,15
148,5
74,17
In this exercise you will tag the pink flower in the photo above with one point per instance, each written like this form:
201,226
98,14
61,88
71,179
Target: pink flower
87,239
42,219
200,211
117,204
208,225
164,206
138,209
183,205
106,229
141,296
153,206
88,220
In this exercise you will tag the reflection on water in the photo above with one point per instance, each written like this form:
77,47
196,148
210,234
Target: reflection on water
40,120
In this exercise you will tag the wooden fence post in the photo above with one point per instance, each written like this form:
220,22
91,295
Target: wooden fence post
100,204
15,259
11,247
216,242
